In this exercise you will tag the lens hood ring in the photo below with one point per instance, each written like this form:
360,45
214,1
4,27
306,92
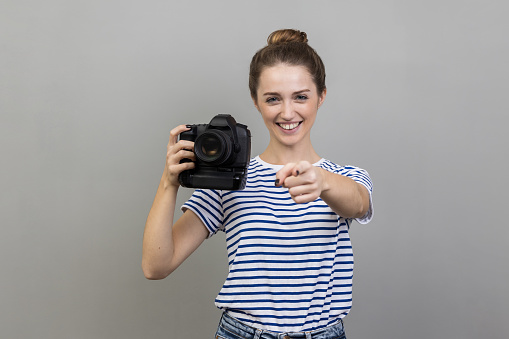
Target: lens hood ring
213,147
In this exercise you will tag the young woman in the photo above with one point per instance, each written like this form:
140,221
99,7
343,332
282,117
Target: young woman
290,256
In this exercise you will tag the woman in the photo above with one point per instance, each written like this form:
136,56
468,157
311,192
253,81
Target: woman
290,257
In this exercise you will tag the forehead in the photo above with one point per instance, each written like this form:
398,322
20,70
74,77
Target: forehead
282,78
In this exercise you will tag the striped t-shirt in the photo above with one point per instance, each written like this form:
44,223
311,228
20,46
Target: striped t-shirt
290,265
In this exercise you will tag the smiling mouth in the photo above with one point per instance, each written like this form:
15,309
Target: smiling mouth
288,126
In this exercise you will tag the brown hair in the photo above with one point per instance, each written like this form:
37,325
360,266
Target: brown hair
287,46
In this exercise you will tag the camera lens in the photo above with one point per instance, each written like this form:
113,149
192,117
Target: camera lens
213,147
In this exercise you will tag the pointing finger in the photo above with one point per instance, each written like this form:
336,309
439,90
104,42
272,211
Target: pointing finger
285,172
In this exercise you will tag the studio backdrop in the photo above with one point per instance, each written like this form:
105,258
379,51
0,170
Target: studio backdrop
89,90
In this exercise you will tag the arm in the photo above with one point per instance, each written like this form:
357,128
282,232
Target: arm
346,197
306,183
166,246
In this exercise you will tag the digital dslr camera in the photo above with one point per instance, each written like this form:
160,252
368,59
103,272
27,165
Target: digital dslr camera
223,151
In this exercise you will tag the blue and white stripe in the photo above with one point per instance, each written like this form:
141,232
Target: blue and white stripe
290,265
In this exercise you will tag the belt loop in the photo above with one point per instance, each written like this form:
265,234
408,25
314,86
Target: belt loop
308,335
258,334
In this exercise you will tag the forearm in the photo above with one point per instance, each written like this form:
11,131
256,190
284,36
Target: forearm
158,247
346,197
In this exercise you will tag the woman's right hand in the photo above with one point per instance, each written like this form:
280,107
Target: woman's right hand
165,244
176,151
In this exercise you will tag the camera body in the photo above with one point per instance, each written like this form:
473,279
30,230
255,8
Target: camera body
223,152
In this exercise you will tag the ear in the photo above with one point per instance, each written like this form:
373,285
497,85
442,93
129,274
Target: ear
321,98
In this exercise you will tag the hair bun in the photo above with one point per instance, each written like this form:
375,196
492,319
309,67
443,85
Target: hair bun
286,35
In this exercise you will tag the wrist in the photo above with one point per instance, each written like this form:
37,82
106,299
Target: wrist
168,185
324,180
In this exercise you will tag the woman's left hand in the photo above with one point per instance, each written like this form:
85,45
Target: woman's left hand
304,181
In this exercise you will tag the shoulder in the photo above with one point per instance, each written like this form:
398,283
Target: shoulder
336,168
358,174
332,166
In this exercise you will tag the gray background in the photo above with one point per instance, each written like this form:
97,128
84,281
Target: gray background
89,90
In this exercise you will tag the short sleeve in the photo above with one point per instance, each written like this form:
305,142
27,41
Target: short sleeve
206,204
358,175
362,177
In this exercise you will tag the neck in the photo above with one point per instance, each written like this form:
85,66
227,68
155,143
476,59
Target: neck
283,155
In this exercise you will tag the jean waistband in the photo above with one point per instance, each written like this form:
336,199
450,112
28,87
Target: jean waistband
231,324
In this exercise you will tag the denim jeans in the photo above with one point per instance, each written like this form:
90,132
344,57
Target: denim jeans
231,328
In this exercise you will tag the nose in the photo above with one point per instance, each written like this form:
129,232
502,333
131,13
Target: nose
287,112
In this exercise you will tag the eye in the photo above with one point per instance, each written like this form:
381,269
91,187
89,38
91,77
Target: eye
271,100
301,97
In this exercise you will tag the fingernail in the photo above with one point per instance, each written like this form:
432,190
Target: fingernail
276,183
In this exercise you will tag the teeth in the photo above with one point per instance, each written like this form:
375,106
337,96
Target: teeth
289,126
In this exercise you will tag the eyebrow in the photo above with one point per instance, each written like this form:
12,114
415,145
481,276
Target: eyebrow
298,92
